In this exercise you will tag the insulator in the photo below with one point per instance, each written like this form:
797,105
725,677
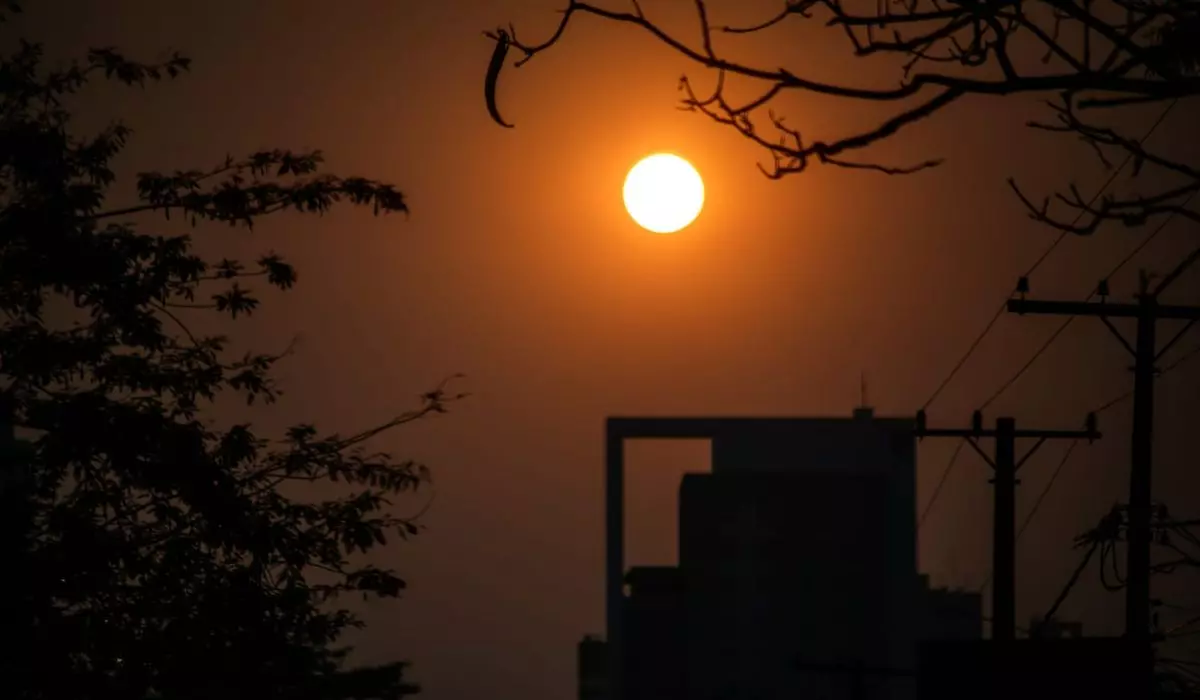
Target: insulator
1091,423
1102,288
1023,285
977,421
921,423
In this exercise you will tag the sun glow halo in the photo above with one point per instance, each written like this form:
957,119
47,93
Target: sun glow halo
663,193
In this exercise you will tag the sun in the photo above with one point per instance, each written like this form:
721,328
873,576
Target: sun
663,193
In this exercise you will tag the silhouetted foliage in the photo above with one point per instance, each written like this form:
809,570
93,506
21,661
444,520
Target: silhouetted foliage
1095,55
147,553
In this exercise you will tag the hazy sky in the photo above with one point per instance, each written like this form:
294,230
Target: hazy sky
520,268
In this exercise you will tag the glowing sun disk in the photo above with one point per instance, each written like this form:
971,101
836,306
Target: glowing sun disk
663,193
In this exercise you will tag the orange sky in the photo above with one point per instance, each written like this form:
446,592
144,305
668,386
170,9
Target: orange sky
520,268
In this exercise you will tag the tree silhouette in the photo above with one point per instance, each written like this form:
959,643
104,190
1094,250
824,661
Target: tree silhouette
1092,56
148,554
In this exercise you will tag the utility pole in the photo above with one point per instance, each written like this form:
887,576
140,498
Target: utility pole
1147,311
1004,464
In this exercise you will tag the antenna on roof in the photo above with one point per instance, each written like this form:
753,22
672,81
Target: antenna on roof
864,409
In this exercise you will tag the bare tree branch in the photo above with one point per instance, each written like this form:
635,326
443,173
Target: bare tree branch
1099,55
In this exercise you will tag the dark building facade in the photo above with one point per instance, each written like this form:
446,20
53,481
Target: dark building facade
797,561
949,615
655,624
591,666
797,579
784,569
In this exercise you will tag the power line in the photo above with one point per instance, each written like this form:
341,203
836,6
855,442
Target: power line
1109,404
971,350
1005,463
1003,307
941,482
1037,504
1057,470
1024,368
1046,489
1066,591
1054,336
1178,361
1149,313
1059,331
1067,455
1045,254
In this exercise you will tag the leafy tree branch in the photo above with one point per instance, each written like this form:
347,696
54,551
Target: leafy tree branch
155,555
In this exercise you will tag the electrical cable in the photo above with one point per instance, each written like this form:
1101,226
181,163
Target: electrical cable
1066,591
1178,361
966,356
1059,331
941,482
1066,456
1067,322
1036,504
1049,341
1025,368
1046,489
1046,254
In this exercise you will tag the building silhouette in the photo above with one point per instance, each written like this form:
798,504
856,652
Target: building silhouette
656,624
948,614
591,664
797,564
797,578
